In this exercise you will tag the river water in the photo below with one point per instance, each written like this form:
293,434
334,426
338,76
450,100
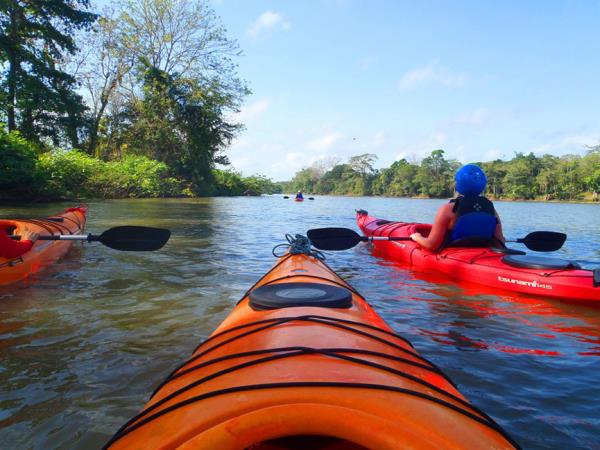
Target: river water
83,344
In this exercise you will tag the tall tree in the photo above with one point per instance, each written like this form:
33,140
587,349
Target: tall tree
105,63
35,35
171,62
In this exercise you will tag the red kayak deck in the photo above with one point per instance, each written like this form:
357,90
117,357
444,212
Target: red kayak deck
478,265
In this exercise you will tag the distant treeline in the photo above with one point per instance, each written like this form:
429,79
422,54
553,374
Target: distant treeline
525,177
135,100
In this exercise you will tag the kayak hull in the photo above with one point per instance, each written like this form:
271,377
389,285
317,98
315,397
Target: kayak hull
478,265
43,253
307,377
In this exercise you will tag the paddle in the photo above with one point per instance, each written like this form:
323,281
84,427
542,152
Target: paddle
345,238
285,196
126,238
311,198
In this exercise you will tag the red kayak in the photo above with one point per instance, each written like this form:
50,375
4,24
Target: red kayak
298,199
497,269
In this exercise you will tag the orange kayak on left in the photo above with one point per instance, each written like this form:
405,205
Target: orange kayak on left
43,253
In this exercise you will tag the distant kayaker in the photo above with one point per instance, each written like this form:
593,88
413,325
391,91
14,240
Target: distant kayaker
469,219
299,195
10,249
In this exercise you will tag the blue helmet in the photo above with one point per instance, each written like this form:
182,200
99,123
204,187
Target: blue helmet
470,180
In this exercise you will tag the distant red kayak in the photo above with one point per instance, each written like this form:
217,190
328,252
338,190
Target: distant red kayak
298,199
535,275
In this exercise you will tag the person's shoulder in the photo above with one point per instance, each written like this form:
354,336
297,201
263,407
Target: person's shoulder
447,206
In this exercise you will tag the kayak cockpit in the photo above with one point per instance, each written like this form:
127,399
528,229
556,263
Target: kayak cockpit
302,442
287,295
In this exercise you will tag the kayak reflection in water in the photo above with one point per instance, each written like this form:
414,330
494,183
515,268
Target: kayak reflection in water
10,249
467,220
299,195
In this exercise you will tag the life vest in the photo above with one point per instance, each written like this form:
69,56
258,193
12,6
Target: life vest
475,220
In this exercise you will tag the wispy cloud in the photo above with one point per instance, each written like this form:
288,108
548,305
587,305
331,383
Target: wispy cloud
252,110
269,20
431,74
324,142
570,143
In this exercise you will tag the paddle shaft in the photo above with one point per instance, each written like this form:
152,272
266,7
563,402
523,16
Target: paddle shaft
384,238
61,237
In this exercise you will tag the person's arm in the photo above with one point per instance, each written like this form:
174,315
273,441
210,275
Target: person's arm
10,248
438,230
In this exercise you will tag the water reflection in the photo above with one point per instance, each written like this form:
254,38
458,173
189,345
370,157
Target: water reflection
535,320
85,342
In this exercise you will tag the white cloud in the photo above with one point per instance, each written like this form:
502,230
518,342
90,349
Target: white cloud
252,110
571,143
431,74
269,20
324,142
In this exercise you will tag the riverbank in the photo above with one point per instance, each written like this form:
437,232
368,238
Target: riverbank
589,200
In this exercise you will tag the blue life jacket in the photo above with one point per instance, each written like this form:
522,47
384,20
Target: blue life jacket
475,221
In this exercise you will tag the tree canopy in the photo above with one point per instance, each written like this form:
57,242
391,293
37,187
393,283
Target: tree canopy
525,176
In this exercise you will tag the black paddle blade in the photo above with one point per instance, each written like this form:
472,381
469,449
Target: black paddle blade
333,238
134,239
544,241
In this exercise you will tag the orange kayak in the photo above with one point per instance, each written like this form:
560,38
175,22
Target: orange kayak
304,362
43,253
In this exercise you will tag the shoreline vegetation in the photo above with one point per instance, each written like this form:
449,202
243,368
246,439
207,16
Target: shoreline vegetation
140,100
528,177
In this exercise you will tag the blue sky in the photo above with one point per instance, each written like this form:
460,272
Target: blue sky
479,79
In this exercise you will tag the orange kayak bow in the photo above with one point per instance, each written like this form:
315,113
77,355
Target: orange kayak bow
304,362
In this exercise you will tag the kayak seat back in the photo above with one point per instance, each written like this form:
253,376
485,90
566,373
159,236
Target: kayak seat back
287,295
539,262
507,251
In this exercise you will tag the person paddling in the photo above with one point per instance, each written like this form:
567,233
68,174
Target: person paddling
10,249
299,195
467,220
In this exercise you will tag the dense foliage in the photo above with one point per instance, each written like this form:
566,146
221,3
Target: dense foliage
139,98
526,177
28,172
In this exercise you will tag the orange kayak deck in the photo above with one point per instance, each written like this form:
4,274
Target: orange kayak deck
322,377
43,253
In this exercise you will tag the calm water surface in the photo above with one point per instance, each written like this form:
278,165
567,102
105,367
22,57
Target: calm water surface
82,347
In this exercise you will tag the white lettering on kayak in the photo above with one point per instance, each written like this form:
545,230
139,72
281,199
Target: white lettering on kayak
533,284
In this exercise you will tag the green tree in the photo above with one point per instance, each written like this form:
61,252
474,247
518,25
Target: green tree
569,177
521,173
38,97
590,170
435,175
547,178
